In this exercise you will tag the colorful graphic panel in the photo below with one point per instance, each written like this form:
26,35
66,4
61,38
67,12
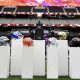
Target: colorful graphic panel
41,2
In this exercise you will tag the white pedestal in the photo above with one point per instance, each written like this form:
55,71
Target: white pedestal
39,58
4,61
63,57
74,62
27,62
16,56
52,62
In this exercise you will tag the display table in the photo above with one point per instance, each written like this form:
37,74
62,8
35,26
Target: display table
4,61
16,56
27,62
74,62
39,58
63,57
52,62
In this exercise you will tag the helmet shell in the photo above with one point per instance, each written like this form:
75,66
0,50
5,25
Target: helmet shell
62,35
16,35
27,41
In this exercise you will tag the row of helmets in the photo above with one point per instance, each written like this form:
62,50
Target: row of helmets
74,42
28,41
49,41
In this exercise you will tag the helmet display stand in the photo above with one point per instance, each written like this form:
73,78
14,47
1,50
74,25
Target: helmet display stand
74,64
39,58
27,59
4,61
27,62
52,62
16,56
63,57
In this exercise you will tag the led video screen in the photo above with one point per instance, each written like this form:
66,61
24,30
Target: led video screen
40,2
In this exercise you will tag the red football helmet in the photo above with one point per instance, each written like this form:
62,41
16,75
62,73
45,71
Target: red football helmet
27,41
